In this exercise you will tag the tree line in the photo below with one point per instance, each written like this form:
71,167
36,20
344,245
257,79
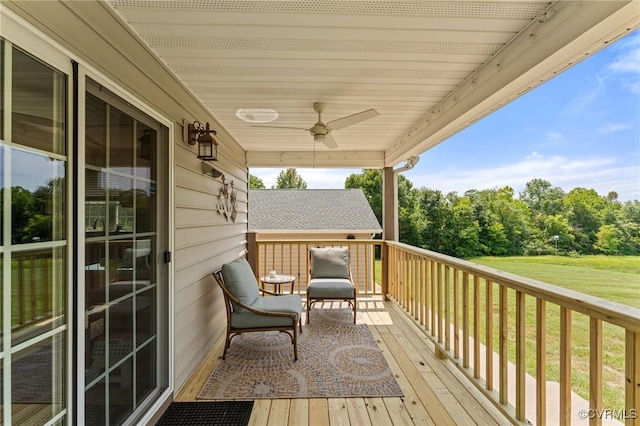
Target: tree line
542,219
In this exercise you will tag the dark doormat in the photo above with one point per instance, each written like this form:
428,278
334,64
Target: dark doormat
223,413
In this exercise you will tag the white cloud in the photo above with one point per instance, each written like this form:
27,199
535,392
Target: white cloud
600,173
584,97
613,128
627,63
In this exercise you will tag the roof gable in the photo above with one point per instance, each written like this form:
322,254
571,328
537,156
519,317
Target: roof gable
311,210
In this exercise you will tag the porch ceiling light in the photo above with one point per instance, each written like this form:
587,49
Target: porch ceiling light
202,135
257,115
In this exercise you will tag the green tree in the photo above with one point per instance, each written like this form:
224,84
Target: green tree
465,231
409,216
255,182
542,198
370,181
290,178
437,214
22,205
608,239
585,210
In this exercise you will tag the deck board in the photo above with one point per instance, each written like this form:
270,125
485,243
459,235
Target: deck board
435,392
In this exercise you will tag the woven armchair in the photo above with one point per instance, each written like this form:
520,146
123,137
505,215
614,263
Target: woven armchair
330,277
247,311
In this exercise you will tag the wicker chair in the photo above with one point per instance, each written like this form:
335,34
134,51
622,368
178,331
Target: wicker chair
247,311
330,277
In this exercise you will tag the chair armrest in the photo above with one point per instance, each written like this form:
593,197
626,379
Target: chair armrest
232,298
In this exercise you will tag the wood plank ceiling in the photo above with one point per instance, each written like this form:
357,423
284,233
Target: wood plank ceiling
405,59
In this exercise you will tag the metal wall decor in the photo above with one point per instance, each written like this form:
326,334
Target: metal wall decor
227,204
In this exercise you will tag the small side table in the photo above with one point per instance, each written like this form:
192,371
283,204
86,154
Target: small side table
278,282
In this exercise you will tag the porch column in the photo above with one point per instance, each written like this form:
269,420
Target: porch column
252,251
389,205
389,214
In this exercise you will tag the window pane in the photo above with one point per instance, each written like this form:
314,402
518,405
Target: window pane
37,198
146,151
122,143
38,104
145,371
121,197
38,378
145,206
95,207
96,132
2,190
38,293
1,90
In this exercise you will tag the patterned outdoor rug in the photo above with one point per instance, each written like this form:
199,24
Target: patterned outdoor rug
336,358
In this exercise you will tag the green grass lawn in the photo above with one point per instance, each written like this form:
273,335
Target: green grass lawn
613,278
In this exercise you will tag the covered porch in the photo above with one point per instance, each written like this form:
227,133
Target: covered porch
86,83
460,338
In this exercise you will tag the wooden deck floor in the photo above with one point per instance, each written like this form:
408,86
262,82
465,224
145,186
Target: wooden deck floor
435,392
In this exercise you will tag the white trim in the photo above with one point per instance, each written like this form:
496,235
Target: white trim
6,266
21,33
81,189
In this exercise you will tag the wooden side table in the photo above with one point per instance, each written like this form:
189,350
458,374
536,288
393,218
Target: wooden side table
279,281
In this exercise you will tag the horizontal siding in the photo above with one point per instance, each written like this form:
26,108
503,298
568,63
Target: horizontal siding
204,240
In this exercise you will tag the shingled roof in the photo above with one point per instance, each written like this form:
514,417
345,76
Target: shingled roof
311,210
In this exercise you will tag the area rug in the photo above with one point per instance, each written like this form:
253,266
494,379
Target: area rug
336,359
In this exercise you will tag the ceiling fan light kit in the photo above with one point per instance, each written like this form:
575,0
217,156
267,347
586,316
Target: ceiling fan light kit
321,131
257,115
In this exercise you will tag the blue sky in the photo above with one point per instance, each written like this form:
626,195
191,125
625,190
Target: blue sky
580,129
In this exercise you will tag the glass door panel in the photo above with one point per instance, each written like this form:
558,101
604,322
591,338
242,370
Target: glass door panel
33,246
121,351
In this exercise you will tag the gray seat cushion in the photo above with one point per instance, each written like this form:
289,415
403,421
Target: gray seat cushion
329,262
289,303
330,288
241,282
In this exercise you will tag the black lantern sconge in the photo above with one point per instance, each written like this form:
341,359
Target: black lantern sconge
202,135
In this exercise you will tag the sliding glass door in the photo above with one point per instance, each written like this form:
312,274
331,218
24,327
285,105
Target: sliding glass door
84,321
123,340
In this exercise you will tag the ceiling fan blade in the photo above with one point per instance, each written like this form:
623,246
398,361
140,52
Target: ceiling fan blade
279,127
349,120
329,141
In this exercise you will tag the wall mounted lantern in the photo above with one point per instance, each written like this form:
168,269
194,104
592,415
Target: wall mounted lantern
202,135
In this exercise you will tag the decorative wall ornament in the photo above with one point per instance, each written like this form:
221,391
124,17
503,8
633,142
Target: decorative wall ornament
227,204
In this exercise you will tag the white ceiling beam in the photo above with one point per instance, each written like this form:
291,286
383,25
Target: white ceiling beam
320,159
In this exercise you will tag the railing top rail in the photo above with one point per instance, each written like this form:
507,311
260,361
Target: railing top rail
319,240
605,310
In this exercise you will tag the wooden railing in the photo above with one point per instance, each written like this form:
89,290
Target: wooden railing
290,257
31,298
510,335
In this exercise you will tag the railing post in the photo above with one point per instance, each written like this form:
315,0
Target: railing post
252,251
632,373
565,366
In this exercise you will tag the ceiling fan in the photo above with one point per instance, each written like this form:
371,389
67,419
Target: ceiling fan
321,131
